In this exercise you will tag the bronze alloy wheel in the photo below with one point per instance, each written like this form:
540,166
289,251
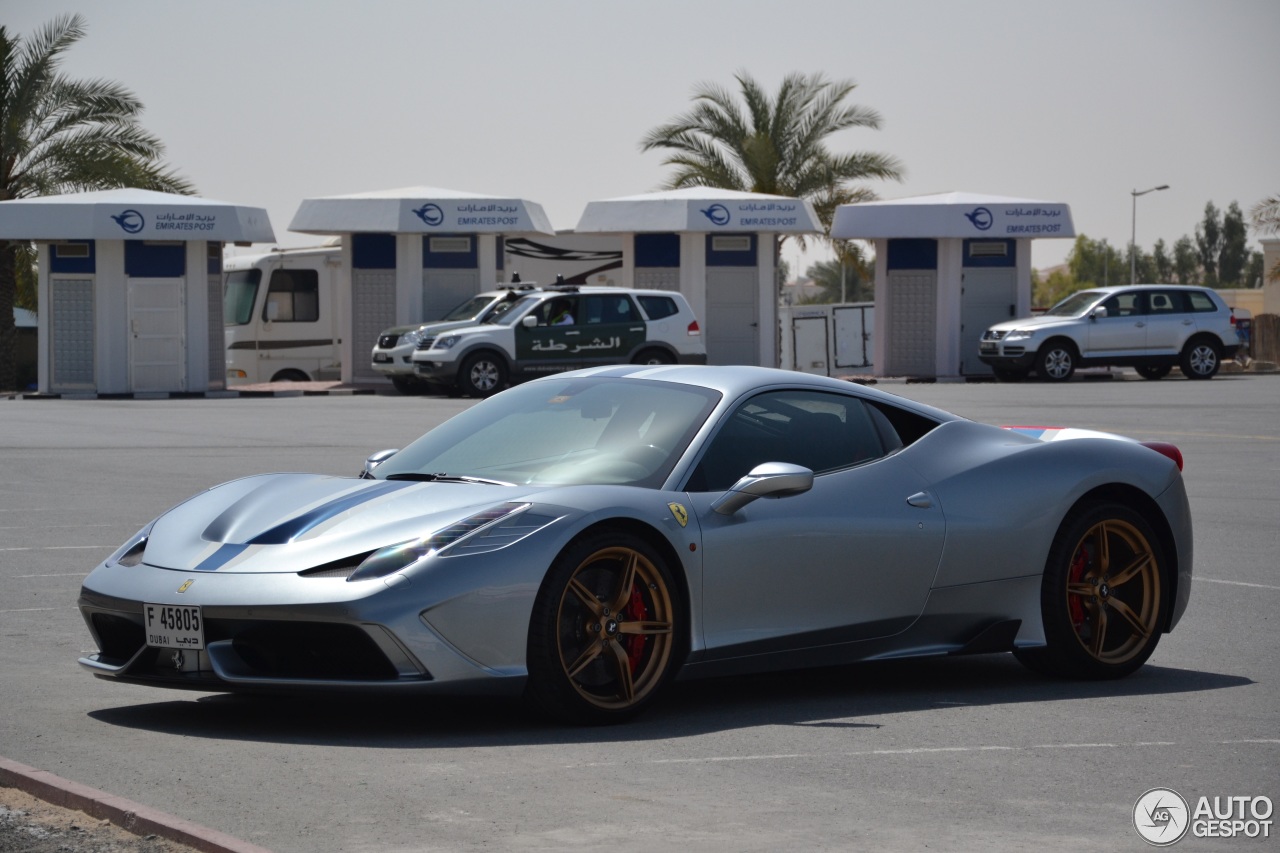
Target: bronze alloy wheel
1113,591
1104,594
614,636
604,635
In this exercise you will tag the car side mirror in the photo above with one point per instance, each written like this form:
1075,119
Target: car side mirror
529,322
1098,313
374,460
772,479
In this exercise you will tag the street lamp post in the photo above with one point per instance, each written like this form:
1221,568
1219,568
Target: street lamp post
1133,235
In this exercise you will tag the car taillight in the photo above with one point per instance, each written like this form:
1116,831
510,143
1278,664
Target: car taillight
1164,448
693,328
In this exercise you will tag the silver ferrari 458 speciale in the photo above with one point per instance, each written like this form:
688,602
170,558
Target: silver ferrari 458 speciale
586,538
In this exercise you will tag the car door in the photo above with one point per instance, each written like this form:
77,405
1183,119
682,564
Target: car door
851,559
1169,321
549,346
1123,332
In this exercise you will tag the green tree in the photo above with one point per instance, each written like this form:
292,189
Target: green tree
1209,243
1095,263
1161,262
848,277
774,144
1058,285
1233,255
59,135
1186,263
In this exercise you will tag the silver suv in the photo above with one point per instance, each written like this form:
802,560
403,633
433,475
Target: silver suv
562,328
1150,327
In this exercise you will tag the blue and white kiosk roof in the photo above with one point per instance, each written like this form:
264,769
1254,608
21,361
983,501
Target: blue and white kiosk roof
700,209
953,215
424,210
132,214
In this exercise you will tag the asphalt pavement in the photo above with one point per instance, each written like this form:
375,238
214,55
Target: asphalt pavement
951,754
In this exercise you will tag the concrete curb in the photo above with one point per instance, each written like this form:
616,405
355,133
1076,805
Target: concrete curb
126,814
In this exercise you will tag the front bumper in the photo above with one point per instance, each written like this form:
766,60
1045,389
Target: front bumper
397,361
1011,356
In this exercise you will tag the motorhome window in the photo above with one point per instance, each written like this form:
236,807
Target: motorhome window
238,296
294,297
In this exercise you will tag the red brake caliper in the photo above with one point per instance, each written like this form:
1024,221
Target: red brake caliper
1076,575
636,612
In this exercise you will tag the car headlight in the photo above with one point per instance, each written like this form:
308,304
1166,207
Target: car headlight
1020,335
412,338
393,558
130,553
446,342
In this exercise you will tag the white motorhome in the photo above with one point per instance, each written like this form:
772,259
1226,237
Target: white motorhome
282,313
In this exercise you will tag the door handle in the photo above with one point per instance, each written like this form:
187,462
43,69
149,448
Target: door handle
920,500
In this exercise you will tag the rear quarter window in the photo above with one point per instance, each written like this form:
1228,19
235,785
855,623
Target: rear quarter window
657,307
1201,301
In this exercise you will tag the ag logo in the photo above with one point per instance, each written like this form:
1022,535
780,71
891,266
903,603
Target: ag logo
717,213
1161,817
430,214
681,514
981,218
130,221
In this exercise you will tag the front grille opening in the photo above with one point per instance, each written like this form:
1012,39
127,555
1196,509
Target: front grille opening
118,638
317,650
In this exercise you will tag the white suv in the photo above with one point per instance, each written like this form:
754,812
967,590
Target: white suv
562,328
1150,327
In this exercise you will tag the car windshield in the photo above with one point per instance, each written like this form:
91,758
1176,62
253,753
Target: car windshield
469,310
238,296
508,312
1075,305
583,431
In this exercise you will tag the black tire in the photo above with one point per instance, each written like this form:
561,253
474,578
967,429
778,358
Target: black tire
1200,359
291,376
406,385
482,375
653,356
1154,371
1008,374
1056,361
605,633
1104,596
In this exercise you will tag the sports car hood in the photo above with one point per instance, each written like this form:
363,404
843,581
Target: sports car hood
292,522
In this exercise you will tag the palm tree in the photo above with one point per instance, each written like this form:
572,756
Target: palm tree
59,135
776,145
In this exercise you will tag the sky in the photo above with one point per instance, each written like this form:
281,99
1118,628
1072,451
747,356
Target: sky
268,102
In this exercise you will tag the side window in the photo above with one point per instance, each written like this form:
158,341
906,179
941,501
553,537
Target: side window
657,307
1123,305
1201,301
560,311
293,297
823,432
608,308
1165,302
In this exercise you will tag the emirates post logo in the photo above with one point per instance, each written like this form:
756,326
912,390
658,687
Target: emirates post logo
717,213
130,221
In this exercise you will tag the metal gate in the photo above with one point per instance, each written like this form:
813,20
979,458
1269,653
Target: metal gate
373,308
912,306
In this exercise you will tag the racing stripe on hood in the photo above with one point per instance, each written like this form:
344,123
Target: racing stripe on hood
298,525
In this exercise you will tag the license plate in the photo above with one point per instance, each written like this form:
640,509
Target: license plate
986,347
382,358
174,626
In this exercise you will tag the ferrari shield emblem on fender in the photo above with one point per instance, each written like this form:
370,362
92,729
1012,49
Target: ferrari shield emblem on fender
681,514
185,586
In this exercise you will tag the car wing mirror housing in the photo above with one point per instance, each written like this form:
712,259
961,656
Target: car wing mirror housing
1099,313
529,321
769,480
374,460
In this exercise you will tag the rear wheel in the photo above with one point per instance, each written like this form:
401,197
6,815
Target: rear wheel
482,375
604,634
291,376
1056,361
1154,371
1200,359
1103,597
653,356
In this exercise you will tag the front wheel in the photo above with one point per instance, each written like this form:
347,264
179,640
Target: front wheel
605,629
1103,596
653,356
1008,374
482,375
1200,359
1056,362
